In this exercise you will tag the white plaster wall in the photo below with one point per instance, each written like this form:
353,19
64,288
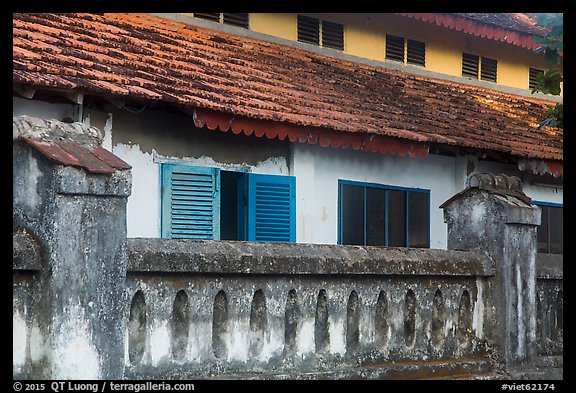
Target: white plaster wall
143,209
544,194
19,339
318,170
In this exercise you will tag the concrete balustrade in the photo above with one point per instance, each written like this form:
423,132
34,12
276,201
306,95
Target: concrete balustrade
88,303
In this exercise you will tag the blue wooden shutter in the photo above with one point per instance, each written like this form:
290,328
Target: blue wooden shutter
190,202
271,208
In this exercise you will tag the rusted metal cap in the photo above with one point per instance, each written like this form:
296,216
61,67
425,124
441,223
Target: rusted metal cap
71,144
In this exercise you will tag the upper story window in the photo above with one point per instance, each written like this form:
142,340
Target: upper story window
320,32
550,232
532,78
240,20
210,203
478,67
405,50
380,215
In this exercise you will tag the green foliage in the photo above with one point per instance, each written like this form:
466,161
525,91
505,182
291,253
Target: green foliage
548,82
551,45
555,117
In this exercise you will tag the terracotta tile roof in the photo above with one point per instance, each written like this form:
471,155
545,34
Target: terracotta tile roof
151,59
510,21
513,28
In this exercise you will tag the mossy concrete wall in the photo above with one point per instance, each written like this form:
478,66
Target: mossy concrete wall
69,263
223,309
88,303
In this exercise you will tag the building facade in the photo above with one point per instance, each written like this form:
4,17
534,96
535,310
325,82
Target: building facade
308,128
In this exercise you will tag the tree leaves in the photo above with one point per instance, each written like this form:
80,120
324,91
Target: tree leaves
549,82
555,117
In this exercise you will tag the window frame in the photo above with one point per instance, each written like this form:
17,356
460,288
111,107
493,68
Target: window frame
408,44
548,243
480,68
408,190
246,196
326,32
221,19
414,47
533,70
320,31
484,74
477,66
389,44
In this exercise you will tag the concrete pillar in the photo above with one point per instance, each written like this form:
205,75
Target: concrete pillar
77,214
493,214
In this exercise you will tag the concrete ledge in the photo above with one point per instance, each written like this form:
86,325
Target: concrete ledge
550,266
473,368
235,257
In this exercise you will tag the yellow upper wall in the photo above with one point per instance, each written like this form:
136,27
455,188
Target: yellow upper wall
278,25
365,36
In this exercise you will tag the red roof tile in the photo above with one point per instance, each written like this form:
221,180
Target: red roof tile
68,144
148,59
510,21
513,28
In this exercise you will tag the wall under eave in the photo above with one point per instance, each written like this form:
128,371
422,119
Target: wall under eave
146,139
318,170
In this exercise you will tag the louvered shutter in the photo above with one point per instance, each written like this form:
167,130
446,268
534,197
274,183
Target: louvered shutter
488,69
533,77
332,35
416,52
271,208
240,20
190,202
394,48
214,16
470,65
308,30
